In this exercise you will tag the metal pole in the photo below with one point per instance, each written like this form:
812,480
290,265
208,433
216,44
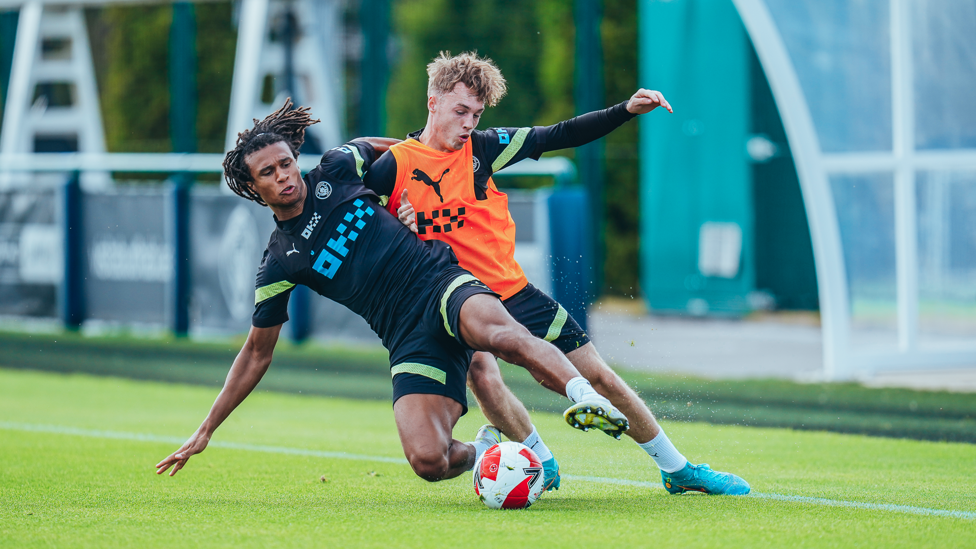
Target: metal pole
589,97
182,79
183,114
180,203
73,288
903,145
374,19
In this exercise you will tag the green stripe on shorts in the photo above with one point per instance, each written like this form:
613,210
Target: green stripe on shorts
556,327
455,284
421,370
271,290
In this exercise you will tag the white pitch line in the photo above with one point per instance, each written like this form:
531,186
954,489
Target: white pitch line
803,499
57,429
140,437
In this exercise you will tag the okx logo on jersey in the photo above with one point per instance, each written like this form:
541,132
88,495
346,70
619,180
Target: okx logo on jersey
425,221
341,243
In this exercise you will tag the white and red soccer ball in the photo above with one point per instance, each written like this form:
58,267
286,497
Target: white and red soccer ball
509,476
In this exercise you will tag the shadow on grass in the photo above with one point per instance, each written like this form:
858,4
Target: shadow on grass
351,373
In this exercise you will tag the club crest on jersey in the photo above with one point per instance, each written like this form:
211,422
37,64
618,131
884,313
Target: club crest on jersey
312,223
477,163
323,190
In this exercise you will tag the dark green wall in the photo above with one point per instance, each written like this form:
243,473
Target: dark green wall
783,249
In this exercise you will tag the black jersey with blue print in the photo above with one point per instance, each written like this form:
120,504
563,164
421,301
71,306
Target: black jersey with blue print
344,246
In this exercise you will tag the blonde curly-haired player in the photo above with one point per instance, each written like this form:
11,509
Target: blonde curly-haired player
439,184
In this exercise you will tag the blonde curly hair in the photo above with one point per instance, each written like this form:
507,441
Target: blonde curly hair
479,74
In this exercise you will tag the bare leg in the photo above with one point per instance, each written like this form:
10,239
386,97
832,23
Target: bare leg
425,424
485,325
497,402
643,425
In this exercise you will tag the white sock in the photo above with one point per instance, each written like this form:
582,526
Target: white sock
578,389
479,448
534,441
665,455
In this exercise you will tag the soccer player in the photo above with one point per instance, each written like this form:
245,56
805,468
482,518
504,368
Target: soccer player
439,183
430,313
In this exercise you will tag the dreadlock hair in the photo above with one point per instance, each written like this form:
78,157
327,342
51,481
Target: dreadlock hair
284,125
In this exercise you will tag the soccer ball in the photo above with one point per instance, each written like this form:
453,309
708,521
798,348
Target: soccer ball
508,476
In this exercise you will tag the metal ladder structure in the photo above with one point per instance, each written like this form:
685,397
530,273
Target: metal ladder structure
52,100
298,67
52,55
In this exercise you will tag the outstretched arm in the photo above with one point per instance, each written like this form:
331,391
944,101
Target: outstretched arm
379,144
248,369
594,125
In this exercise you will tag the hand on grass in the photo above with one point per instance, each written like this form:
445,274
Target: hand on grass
196,444
645,101
406,213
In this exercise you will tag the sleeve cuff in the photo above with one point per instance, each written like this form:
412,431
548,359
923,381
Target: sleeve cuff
619,113
269,322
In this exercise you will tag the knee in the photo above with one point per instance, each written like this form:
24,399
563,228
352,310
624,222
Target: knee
430,467
483,367
483,374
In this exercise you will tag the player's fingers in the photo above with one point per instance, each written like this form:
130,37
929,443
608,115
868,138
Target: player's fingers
406,214
166,463
662,101
403,198
179,465
413,226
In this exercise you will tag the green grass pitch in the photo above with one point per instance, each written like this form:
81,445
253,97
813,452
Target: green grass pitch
77,455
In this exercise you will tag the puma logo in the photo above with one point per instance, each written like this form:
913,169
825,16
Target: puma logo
421,176
293,250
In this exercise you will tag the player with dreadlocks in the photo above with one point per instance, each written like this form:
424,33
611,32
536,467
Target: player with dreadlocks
334,237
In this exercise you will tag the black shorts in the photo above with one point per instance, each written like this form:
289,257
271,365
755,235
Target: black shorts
546,319
431,358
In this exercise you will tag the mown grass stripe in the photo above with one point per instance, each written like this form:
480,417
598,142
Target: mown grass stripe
142,437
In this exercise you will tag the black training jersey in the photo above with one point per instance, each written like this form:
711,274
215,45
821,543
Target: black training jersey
346,247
